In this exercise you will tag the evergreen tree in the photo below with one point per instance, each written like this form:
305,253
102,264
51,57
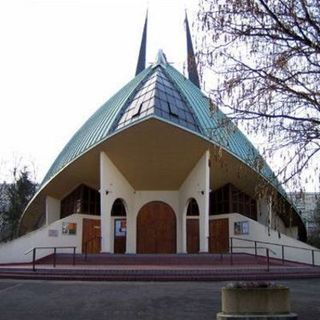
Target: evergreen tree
17,195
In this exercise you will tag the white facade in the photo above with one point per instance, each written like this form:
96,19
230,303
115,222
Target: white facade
53,208
114,186
53,235
294,250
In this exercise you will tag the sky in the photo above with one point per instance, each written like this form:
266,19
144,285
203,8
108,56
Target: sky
60,60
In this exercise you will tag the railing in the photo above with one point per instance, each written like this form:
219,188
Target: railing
283,246
229,251
86,245
34,253
260,248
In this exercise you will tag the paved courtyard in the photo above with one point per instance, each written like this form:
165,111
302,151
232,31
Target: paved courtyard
39,300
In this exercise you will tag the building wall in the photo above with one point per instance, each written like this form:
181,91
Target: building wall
196,186
259,232
114,185
50,235
53,209
14,251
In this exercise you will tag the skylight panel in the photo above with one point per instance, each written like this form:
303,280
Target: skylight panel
136,110
173,109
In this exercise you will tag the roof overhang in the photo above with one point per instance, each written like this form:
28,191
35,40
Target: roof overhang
152,155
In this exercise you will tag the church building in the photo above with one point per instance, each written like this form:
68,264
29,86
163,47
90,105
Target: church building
157,169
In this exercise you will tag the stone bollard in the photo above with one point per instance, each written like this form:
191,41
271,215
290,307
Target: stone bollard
255,301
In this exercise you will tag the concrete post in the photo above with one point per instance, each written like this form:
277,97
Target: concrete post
105,206
204,204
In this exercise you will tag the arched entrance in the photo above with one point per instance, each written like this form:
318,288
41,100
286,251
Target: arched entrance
118,212
192,221
156,228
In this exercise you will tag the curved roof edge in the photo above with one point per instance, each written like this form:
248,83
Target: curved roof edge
96,128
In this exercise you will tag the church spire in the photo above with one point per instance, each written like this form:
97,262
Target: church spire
141,65
192,66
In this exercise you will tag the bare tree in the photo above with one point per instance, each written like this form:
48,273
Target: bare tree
266,57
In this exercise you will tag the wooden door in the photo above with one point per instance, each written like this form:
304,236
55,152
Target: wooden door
91,235
219,236
156,229
120,235
192,235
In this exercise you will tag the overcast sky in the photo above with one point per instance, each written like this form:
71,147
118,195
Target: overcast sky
60,60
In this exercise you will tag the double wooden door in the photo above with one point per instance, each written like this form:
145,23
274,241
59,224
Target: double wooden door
156,228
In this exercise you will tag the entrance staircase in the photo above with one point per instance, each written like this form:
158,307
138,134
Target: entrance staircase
159,267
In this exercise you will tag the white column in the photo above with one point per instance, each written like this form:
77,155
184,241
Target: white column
113,185
53,208
105,206
204,204
197,186
183,229
131,233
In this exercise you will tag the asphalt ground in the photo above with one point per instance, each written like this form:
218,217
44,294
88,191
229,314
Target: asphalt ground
31,299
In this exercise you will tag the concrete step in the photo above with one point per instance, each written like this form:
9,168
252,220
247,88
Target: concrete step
176,267
159,275
162,259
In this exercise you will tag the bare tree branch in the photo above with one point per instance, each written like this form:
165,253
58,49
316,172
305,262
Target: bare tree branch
266,55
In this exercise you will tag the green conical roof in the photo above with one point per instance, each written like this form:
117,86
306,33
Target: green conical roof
162,92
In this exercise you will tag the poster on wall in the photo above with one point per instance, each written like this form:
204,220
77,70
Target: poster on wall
53,233
241,227
69,228
120,227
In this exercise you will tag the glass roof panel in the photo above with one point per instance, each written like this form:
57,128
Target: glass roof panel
158,95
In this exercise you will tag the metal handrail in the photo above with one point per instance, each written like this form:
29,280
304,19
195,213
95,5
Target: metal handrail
267,253
273,252
275,244
34,252
86,246
283,246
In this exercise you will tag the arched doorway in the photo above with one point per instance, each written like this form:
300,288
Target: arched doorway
118,212
192,221
156,228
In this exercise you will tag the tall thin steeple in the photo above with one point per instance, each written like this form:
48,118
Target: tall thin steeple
192,66
141,65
